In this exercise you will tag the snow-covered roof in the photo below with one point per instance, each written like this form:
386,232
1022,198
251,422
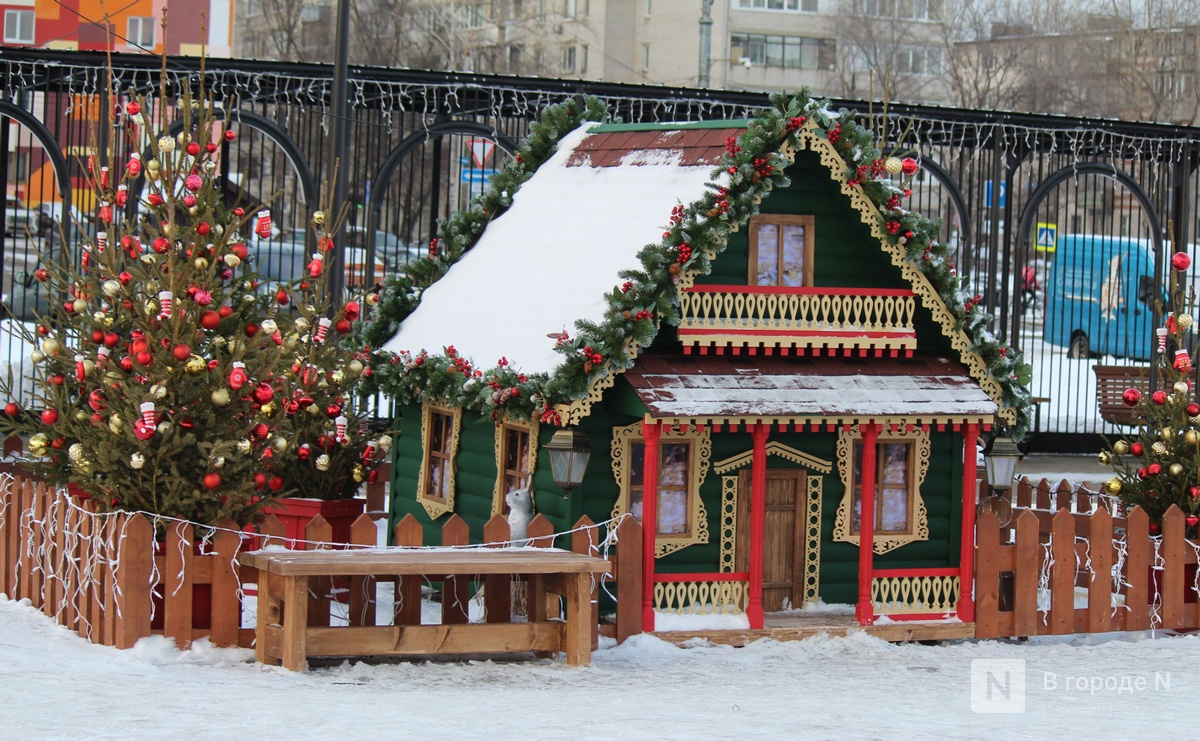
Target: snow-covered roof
551,258
724,388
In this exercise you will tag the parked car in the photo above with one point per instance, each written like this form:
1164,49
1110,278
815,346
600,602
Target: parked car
286,260
19,218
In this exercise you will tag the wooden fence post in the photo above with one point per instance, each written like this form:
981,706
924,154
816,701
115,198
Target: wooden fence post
319,534
177,584
8,538
1137,569
226,608
135,548
1172,574
583,540
497,588
1063,493
83,595
456,593
540,532
1025,581
1024,496
629,579
24,541
987,576
407,606
59,562
362,588
1101,586
1062,573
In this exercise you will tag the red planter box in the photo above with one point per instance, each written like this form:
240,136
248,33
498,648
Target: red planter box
295,514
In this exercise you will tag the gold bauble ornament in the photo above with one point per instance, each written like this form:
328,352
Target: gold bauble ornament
893,165
88,367
318,217
279,444
1113,486
231,259
116,424
1105,458
337,376
269,327
1167,434
1176,469
37,356
158,391
355,367
219,462
302,324
166,145
1184,321
314,410
1159,449
79,305
81,415
243,447
75,452
148,257
1120,447
267,409
152,166
152,308
220,396
1191,437
357,472
51,346
385,443
111,288
1180,388
372,299
38,444
195,365
137,460
289,343
200,263
322,462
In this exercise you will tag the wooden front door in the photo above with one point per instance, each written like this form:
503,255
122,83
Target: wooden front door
783,536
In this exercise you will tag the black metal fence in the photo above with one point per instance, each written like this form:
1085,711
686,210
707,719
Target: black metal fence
1056,220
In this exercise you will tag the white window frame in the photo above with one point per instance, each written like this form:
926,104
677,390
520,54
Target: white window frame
779,6
567,60
18,18
136,32
646,57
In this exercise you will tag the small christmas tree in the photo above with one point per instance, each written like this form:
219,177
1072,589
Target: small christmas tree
1159,465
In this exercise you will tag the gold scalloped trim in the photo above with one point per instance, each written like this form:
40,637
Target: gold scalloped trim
774,448
619,453
436,507
812,540
870,216
919,519
531,427
729,488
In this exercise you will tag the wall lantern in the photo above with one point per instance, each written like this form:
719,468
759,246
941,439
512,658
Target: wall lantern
1001,463
569,453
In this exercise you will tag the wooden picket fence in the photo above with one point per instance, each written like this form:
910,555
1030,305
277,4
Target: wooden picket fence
108,578
1070,562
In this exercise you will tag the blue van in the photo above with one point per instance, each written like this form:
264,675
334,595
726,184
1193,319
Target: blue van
1100,297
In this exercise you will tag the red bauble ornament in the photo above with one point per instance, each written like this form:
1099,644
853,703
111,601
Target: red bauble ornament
193,182
260,480
261,431
251,329
125,278
49,416
161,245
210,147
189,200
230,135
372,476
12,409
263,393
1180,261
96,400
1131,397
58,443
281,297
225,311
342,326
275,483
1194,492
193,148
1154,469
212,480
203,229
909,166
352,310
1159,397
97,336
111,339
333,410
42,275
210,320
1155,528
144,357
182,352
126,363
1137,449
1193,409
133,108
1192,520
154,199
239,249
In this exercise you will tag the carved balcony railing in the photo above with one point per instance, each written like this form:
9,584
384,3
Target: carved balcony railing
916,593
816,321
701,594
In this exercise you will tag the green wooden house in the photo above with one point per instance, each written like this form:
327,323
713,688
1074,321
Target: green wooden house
768,369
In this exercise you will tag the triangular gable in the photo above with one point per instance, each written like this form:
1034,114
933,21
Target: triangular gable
775,448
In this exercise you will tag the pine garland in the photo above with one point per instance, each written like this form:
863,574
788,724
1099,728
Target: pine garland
753,165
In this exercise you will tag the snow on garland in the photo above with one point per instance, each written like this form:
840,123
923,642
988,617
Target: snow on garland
752,166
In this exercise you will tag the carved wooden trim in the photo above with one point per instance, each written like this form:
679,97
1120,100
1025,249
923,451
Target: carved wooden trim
918,519
435,506
531,427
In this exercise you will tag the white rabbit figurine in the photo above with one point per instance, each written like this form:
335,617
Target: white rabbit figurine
520,512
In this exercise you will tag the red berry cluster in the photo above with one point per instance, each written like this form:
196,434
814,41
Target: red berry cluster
685,253
550,416
723,200
972,302
763,167
893,227
592,356
893,202
643,314
878,168
835,133
433,247
627,286
796,122
677,214
502,362
732,146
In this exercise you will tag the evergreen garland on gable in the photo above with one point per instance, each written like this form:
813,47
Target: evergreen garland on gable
752,166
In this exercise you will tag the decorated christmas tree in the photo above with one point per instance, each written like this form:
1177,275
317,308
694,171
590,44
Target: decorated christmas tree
1159,464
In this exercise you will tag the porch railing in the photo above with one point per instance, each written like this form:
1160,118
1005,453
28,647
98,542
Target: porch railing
916,592
702,594
801,320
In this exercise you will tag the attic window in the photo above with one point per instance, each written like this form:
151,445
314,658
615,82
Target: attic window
781,250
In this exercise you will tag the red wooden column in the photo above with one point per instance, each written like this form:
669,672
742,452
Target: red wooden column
864,611
966,559
650,433
758,521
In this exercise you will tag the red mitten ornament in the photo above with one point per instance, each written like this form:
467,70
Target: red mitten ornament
237,376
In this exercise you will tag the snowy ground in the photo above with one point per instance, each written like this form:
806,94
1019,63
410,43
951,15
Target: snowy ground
55,685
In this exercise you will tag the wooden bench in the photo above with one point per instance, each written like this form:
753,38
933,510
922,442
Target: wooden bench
284,633
1111,382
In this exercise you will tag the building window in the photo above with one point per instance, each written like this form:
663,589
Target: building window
919,60
781,250
583,59
648,7
140,32
568,60
439,440
516,459
645,57
915,10
790,52
805,6
683,464
18,26
901,462
570,8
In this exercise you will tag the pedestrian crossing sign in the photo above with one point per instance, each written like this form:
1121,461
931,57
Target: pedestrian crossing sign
1047,237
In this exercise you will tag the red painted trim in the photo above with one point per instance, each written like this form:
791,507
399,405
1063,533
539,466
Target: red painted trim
695,332
864,611
801,290
758,521
650,434
966,559
892,573
921,616
723,576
